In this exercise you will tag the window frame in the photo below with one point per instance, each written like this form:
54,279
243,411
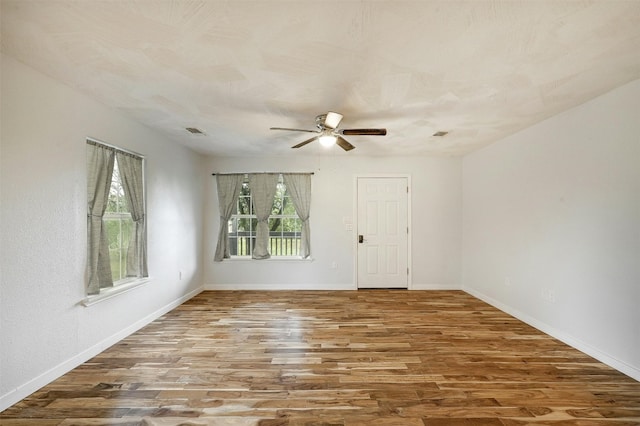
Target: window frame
128,283
233,225
120,216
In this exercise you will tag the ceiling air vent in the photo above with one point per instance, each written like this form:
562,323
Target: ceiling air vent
194,131
440,133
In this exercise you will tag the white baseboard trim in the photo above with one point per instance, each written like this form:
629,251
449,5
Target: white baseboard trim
274,287
578,344
331,287
26,389
435,286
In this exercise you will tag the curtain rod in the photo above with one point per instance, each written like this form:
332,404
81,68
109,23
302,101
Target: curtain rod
263,173
93,141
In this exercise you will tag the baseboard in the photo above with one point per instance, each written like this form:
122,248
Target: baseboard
332,287
435,286
578,344
274,287
26,389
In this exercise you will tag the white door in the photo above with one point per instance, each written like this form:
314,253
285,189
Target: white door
383,232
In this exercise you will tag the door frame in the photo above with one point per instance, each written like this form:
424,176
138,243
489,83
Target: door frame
355,219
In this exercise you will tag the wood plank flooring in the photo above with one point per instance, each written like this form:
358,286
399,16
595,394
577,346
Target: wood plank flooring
377,357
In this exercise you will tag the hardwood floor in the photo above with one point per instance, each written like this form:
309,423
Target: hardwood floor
377,357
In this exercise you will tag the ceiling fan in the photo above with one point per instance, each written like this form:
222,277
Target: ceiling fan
328,133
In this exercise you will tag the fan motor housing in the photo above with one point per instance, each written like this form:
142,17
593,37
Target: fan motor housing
320,119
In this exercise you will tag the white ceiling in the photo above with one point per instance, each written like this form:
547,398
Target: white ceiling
480,70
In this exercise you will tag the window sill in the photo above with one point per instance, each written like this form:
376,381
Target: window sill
271,259
108,293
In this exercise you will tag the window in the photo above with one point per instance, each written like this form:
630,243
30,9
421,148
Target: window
117,219
285,226
116,227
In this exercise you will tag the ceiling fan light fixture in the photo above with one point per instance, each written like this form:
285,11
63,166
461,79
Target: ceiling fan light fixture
333,120
327,140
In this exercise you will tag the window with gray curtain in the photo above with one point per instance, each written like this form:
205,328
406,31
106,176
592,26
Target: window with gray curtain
259,217
229,187
299,189
116,217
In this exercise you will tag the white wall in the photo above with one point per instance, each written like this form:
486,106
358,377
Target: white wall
436,218
43,330
551,226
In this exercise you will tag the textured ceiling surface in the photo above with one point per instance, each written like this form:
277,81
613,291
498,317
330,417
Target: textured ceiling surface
480,70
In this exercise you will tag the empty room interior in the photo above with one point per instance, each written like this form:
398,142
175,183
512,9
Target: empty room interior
320,212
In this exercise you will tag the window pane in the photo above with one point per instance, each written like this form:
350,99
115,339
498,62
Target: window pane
244,205
292,225
232,230
275,231
278,200
243,245
119,226
275,225
119,229
289,208
116,266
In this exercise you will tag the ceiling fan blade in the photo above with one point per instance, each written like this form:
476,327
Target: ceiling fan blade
342,143
303,143
370,132
293,130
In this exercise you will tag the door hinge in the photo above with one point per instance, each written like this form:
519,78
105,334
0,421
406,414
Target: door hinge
407,271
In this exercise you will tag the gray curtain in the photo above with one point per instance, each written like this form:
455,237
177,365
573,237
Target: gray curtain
299,189
132,180
229,187
99,171
263,190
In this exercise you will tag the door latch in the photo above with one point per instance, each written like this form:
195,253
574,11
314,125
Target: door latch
360,239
